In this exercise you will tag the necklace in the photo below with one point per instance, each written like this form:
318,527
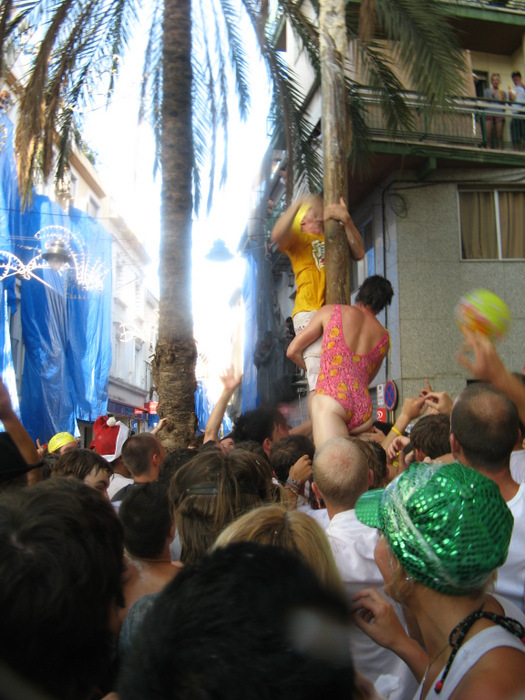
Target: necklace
436,657
460,631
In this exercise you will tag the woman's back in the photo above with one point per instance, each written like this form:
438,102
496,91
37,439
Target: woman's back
361,329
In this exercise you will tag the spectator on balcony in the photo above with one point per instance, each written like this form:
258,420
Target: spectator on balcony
299,233
495,118
517,126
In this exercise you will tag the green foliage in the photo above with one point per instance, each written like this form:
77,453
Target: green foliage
75,45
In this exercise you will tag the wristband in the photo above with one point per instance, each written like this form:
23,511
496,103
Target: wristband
289,480
396,431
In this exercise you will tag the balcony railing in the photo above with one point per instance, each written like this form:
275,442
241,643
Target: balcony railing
468,123
509,5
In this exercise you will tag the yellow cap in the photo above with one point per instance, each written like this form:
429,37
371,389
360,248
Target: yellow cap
59,440
296,225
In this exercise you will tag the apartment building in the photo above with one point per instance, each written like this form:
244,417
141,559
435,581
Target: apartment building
98,337
441,210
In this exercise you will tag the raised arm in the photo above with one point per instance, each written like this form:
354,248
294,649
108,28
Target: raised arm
282,233
411,409
339,212
18,433
479,357
229,382
307,336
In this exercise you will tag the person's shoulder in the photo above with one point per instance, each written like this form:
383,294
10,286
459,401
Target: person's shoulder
347,310
123,491
485,680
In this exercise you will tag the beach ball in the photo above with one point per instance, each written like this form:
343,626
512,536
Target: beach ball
485,313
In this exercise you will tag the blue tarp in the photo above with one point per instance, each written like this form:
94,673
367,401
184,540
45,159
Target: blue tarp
9,221
249,293
66,330
203,410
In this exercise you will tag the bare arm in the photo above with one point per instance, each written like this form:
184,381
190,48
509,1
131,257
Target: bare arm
230,382
376,617
439,402
163,423
487,366
282,233
307,336
18,433
411,409
339,212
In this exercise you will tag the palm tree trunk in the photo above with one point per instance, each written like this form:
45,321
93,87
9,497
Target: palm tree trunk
175,357
333,47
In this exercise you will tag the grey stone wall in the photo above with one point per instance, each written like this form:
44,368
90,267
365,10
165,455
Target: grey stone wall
421,244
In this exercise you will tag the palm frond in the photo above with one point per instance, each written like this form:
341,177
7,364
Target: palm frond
303,160
360,150
32,107
367,20
306,31
386,85
238,58
152,61
425,45
5,12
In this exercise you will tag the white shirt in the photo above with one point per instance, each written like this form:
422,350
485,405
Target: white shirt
321,514
472,651
353,547
517,465
511,576
117,482
519,97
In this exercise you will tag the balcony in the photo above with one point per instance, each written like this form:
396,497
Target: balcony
453,138
462,128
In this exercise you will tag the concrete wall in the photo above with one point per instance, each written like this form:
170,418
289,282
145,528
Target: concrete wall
423,263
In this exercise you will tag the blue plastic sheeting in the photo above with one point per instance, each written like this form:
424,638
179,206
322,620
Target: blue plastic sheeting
67,333
203,409
249,293
66,330
9,221
6,357
9,201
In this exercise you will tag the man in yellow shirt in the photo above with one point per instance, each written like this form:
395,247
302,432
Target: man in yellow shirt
299,233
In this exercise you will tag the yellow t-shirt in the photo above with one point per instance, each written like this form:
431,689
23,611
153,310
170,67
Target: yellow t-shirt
306,252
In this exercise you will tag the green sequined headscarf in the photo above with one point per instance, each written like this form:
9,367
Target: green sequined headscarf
447,524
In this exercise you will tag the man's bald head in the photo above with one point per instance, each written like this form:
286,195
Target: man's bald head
484,422
341,470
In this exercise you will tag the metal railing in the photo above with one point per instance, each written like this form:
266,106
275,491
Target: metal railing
468,122
504,5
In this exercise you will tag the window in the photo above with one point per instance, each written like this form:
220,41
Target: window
92,208
73,188
492,224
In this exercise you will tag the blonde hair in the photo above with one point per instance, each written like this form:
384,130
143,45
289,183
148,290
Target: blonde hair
275,526
402,584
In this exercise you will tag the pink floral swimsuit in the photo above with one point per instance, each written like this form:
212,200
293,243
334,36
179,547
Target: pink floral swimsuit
344,375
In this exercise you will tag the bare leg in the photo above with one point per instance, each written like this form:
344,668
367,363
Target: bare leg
362,428
328,419
490,125
500,125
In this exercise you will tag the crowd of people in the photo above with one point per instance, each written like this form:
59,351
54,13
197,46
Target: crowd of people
379,565
370,563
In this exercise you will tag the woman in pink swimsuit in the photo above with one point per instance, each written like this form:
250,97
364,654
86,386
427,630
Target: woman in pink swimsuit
354,347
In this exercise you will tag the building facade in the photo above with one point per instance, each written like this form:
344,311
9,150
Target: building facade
441,210
128,328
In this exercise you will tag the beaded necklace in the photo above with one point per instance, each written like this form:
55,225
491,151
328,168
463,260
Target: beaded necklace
460,631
